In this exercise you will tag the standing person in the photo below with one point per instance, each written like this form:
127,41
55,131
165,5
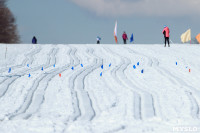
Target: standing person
124,37
166,35
34,40
98,40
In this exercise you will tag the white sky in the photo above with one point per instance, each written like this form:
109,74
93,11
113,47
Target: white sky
141,7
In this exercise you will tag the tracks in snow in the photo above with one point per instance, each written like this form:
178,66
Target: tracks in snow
83,105
145,101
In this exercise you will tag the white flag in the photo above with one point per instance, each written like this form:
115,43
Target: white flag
115,32
185,37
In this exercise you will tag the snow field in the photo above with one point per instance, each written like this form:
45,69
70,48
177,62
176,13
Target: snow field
122,100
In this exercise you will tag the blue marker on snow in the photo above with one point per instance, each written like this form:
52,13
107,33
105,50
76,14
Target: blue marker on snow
42,69
102,67
29,75
142,71
54,65
9,70
27,65
101,74
176,63
72,68
110,65
81,65
134,66
138,63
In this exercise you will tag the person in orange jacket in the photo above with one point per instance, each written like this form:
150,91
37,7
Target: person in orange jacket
166,35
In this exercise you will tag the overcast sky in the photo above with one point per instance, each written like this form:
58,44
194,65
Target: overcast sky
81,21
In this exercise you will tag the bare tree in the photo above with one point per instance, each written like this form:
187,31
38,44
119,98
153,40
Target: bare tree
8,28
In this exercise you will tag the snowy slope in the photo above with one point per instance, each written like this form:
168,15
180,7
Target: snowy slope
163,99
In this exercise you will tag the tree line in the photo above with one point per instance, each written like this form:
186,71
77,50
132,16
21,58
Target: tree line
8,27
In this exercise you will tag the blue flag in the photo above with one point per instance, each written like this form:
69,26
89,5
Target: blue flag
81,65
110,65
29,75
131,38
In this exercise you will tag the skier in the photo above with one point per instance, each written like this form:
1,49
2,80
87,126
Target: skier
166,35
124,37
34,40
98,40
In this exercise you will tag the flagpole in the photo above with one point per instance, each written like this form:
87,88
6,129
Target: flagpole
6,51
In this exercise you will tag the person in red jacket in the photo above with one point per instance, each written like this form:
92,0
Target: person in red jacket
124,37
166,35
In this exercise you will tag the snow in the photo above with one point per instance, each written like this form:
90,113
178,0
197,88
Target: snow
163,99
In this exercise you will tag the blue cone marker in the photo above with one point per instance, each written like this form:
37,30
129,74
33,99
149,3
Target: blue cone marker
42,69
110,65
176,63
134,66
9,70
81,65
101,74
102,67
142,71
138,63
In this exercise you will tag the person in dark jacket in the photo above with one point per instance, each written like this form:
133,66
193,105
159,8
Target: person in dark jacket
98,40
124,37
166,35
34,40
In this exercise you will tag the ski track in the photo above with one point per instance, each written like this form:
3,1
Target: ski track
137,99
176,81
153,62
150,62
83,104
74,62
122,85
28,60
145,104
11,78
107,85
195,106
5,85
29,98
121,128
148,109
